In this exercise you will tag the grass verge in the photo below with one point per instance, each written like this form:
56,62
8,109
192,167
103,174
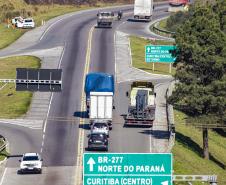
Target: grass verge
13,103
138,56
162,24
3,154
9,35
187,152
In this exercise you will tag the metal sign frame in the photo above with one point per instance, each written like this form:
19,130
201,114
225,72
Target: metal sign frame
28,79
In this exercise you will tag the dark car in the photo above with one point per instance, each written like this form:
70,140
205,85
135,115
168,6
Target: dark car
98,141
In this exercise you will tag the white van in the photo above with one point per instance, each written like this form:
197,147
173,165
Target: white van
143,10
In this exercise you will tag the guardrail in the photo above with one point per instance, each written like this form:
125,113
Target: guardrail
162,32
170,119
212,179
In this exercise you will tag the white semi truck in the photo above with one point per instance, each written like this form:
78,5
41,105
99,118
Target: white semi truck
101,105
143,10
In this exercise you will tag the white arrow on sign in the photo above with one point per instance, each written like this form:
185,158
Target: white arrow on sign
91,162
165,183
148,49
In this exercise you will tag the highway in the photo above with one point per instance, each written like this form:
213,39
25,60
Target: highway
86,49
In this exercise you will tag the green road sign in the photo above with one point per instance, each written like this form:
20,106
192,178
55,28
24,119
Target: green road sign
127,169
157,53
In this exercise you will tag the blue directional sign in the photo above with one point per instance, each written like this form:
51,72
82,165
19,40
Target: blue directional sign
157,53
124,169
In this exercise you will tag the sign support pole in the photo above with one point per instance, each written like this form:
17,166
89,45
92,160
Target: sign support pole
170,68
153,66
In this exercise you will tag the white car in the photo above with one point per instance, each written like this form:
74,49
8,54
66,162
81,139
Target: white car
16,19
25,23
31,162
100,127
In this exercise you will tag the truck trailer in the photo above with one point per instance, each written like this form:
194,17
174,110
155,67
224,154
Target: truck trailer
143,10
141,110
101,105
99,89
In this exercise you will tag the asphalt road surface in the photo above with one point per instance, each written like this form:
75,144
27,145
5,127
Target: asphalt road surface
59,140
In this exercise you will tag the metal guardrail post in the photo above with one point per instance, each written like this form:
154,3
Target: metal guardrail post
170,121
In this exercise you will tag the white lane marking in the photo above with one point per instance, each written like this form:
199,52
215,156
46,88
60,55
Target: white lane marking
51,98
22,123
42,143
3,176
45,123
45,32
77,13
115,57
151,146
61,57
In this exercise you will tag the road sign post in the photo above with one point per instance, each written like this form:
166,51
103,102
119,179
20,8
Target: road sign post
123,169
160,54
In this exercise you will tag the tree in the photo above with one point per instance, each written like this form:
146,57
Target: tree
201,67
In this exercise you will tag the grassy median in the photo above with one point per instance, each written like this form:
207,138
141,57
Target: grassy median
187,152
12,103
138,56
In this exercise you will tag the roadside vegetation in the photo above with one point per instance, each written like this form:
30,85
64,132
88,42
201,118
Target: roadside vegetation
187,152
138,56
175,21
200,92
201,69
3,155
12,103
162,24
